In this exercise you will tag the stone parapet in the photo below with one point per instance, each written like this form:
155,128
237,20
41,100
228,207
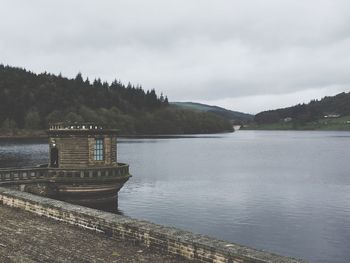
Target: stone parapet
184,244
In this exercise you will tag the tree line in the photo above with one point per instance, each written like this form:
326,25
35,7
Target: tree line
32,101
314,110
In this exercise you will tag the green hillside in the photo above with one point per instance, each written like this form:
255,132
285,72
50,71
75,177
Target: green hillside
234,116
329,113
331,124
29,101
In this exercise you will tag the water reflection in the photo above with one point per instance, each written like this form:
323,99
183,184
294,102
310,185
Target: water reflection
108,205
286,192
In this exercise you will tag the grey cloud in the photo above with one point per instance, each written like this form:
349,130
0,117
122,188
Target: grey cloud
190,50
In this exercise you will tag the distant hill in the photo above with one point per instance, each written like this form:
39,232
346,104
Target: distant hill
314,115
30,101
234,116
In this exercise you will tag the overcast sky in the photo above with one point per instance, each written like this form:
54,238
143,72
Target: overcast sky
246,55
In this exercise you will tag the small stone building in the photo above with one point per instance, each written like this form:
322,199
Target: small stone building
82,146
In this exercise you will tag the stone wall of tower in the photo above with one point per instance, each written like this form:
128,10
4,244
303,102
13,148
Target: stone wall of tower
73,152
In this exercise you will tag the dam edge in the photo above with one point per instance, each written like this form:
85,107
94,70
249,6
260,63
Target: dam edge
184,244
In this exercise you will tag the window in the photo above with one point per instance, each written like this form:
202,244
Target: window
98,150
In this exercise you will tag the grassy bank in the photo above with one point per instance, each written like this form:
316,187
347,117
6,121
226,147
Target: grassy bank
327,124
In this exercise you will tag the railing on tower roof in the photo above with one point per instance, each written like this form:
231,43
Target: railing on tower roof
82,128
74,126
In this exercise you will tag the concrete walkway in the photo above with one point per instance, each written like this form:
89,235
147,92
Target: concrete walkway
25,237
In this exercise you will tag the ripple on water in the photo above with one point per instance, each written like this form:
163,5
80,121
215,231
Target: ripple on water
286,192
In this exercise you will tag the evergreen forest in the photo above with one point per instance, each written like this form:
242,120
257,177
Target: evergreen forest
29,102
315,112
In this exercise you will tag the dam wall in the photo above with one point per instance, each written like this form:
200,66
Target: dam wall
184,244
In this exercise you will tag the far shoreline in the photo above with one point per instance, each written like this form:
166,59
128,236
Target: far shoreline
267,129
41,134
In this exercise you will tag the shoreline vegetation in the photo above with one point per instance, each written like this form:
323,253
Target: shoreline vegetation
328,113
286,128
29,102
18,134
37,134
333,125
323,124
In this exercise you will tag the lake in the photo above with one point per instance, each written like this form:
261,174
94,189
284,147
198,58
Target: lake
287,192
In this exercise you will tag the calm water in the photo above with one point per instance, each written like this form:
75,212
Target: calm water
286,192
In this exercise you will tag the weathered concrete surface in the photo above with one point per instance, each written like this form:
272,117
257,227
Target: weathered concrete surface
25,237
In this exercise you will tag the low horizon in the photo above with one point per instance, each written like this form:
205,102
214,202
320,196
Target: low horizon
223,104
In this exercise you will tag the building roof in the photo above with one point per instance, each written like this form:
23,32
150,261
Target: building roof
87,128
